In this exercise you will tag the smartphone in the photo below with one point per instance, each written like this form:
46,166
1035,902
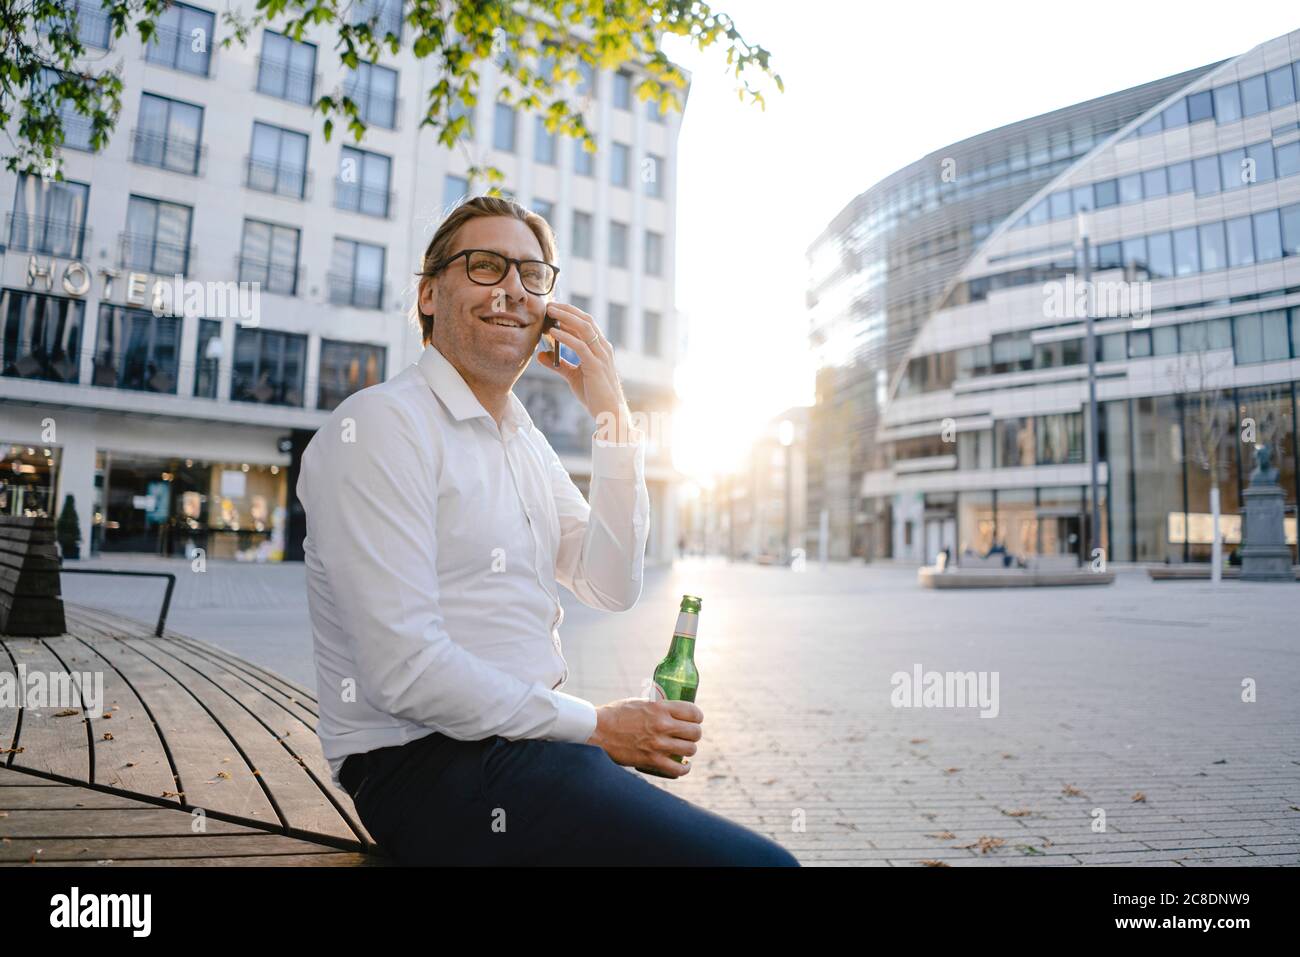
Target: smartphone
548,323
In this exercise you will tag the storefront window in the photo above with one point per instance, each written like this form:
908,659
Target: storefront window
1158,477
974,523
28,478
1017,522
346,367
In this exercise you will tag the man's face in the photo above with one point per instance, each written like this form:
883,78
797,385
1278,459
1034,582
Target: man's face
464,330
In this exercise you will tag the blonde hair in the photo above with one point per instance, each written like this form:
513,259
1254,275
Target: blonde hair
440,246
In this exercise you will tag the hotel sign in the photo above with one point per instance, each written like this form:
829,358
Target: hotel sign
75,280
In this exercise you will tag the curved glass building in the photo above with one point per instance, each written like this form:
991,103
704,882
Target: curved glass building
1191,211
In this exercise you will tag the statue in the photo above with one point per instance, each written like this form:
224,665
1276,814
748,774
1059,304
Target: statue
1265,555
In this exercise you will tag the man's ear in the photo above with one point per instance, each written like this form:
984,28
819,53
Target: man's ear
431,284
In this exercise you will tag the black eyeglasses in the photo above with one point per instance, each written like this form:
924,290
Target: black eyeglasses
487,268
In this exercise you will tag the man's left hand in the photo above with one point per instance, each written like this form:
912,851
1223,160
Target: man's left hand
595,380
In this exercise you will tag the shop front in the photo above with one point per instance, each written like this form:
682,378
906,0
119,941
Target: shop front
175,507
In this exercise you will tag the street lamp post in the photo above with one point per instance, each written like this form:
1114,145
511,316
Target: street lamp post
1090,345
787,443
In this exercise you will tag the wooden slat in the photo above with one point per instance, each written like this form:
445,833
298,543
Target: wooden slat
325,859
142,821
197,743
301,801
32,792
51,744
134,758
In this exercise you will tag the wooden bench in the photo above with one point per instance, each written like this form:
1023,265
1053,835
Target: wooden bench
196,757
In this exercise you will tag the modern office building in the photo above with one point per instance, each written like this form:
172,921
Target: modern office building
180,427
880,268
1191,211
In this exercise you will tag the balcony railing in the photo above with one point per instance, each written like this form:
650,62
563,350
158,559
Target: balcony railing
174,153
46,235
346,290
373,108
145,251
276,78
77,130
124,370
363,199
279,178
274,277
93,25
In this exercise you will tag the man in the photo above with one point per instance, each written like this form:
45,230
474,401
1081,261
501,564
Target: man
440,524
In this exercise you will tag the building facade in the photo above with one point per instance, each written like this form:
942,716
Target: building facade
1191,211
179,427
880,268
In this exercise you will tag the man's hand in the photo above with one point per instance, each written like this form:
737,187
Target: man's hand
639,733
594,381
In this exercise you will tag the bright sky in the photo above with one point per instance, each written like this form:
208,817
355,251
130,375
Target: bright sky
869,88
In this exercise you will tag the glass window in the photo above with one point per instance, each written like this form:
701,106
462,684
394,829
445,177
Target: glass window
1135,253
1037,213
1268,236
363,181
1233,168
1108,256
1281,87
287,69
374,88
182,39
1154,183
1153,125
587,79
543,143
1262,156
1164,340
1175,114
1295,332
650,332
1241,244
1082,198
207,359
356,276
347,367
49,216
268,367
503,128
617,324
1248,340
454,190
654,253
1106,193
277,161
157,237
1112,347
137,350
1130,188
1015,443
1254,96
1200,106
1187,259
1139,343
584,163
623,90
1214,252
653,172
1290,216
618,244
41,336
581,235
1058,205
1160,255
1180,177
1287,159
1274,335
1227,103
620,162
269,255
168,134
1207,175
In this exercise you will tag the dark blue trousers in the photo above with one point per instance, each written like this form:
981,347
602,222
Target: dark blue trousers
437,800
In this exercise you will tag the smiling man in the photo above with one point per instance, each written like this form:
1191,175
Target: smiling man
440,525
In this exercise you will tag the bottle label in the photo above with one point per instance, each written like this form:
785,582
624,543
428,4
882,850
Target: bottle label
657,692
687,623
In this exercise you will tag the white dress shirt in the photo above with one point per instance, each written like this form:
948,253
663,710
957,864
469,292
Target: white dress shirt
435,546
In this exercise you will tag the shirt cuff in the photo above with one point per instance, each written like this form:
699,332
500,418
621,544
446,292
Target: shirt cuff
576,718
618,460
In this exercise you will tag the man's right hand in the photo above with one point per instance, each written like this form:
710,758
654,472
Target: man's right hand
639,733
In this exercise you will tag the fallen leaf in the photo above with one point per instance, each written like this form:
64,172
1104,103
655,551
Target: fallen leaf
223,774
943,835
1071,791
951,770
935,864
1018,812
66,713
108,735
1139,796
918,741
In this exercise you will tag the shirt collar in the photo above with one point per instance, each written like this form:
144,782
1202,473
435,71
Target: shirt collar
450,387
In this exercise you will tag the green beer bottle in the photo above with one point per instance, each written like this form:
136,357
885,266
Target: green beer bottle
676,678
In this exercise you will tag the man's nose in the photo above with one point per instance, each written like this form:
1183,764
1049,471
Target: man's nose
513,284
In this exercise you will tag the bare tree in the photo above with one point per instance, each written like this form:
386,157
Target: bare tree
1199,380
